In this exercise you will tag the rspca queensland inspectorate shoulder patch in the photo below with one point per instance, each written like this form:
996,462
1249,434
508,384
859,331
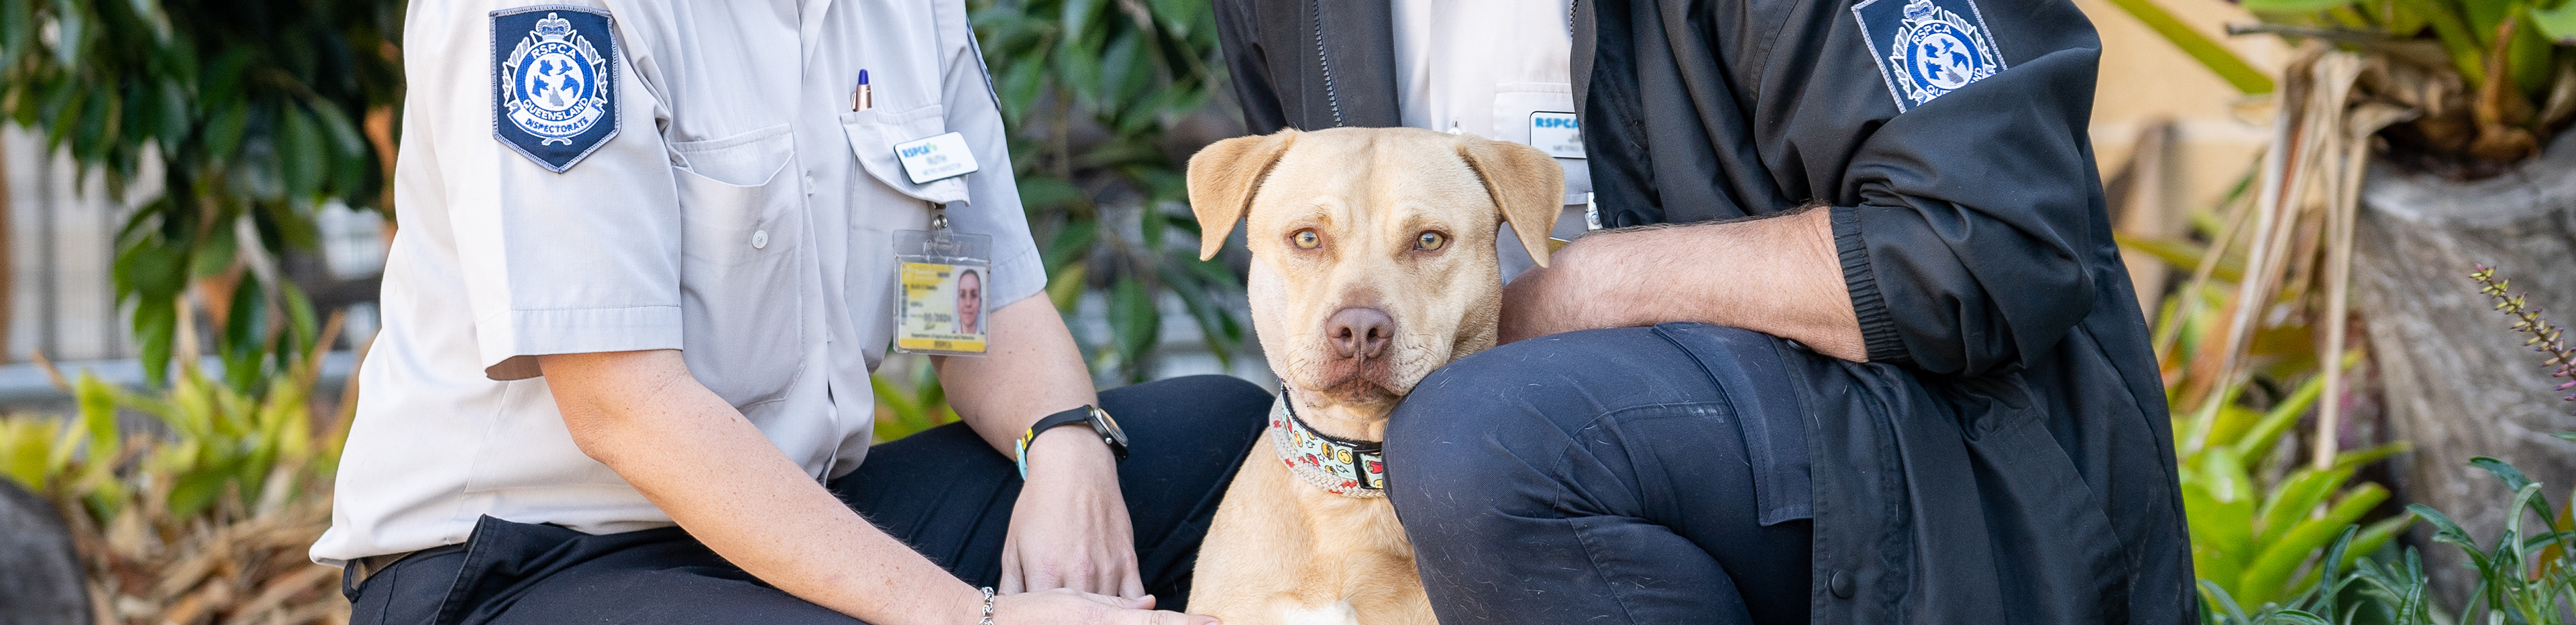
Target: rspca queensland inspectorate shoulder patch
554,75
1926,48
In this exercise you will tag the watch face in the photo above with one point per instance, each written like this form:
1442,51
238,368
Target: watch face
1107,426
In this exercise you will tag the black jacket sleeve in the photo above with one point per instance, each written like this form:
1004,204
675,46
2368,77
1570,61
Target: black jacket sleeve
1963,223
1247,61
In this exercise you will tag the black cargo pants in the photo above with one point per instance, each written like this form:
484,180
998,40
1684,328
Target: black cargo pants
943,491
1630,475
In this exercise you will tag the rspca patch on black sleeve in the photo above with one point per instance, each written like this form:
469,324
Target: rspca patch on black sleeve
554,79
1926,48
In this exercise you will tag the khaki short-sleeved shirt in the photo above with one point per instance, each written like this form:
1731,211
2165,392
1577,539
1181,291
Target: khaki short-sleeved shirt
715,194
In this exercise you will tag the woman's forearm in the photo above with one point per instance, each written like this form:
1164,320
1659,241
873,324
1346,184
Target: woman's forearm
701,462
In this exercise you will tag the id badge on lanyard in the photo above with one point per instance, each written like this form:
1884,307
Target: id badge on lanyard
942,275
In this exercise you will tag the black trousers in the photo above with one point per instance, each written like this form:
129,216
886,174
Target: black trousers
1633,475
942,491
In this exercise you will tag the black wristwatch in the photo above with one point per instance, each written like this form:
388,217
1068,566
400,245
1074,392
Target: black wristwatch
1100,423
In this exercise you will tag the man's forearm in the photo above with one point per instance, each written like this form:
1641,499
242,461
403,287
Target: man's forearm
1779,276
706,466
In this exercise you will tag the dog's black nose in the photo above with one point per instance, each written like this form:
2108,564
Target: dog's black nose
1359,332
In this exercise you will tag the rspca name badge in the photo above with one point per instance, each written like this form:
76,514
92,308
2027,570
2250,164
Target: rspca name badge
1927,48
1556,133
554,73
935,158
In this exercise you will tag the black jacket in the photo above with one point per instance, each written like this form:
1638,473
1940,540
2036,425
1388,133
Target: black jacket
2006,456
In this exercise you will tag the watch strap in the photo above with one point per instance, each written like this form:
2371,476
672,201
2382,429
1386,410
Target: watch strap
1072,416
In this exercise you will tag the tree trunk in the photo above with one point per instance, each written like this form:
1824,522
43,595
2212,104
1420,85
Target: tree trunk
2460,382
40,577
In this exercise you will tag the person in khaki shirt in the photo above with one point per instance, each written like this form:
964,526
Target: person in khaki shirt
647,264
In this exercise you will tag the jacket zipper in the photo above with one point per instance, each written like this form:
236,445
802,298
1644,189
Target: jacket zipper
1331,99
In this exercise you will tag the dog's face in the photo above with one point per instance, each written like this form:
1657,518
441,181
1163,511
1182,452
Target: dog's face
1373,249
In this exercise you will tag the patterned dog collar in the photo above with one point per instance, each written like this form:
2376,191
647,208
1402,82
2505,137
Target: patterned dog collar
1344,467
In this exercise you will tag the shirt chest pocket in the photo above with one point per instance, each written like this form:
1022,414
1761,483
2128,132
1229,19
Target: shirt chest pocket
740,318
875,132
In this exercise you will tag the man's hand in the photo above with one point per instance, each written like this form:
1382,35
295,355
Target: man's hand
1778,276
1069,528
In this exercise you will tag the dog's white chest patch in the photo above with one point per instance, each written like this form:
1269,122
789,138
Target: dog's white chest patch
1339,613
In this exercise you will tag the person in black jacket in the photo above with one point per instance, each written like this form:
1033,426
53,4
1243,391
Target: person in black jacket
1855,346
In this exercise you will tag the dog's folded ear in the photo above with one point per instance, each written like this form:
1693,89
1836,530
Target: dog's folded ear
1527,185
1222,179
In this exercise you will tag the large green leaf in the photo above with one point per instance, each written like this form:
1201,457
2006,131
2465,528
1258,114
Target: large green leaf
2293,6
1133,320
2217,59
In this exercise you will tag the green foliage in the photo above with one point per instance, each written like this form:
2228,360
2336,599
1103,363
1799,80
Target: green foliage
2217,58
251,108
907,409
2523,574
1092,91
213,446
2253,538
2491,80
202,515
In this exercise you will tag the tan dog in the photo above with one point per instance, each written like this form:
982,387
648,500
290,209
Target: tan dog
1373,263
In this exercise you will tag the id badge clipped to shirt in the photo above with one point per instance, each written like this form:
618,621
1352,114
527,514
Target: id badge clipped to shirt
942,275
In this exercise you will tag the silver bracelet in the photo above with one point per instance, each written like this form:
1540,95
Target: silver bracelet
988,607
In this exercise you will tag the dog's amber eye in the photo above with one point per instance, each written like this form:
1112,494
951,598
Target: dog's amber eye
1307,240
1430,241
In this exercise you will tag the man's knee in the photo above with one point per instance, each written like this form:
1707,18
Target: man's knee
1516,410
1470,425
1546,383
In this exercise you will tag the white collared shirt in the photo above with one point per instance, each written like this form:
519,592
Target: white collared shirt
1483,67
742,213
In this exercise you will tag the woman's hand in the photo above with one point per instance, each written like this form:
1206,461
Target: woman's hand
1064,605
1069,528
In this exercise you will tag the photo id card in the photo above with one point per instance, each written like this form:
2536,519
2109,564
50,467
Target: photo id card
942,277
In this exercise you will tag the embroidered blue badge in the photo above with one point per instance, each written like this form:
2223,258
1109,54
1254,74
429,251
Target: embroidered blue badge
1926,48
554,73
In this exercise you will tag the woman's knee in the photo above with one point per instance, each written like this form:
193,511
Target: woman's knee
1197,406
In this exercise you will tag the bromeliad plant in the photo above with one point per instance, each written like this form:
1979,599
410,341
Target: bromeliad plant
2491,79
2257,530
2260,506
203,516
2524,577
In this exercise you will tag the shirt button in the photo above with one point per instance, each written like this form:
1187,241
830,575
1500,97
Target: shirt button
759,239
1840,583
809,184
